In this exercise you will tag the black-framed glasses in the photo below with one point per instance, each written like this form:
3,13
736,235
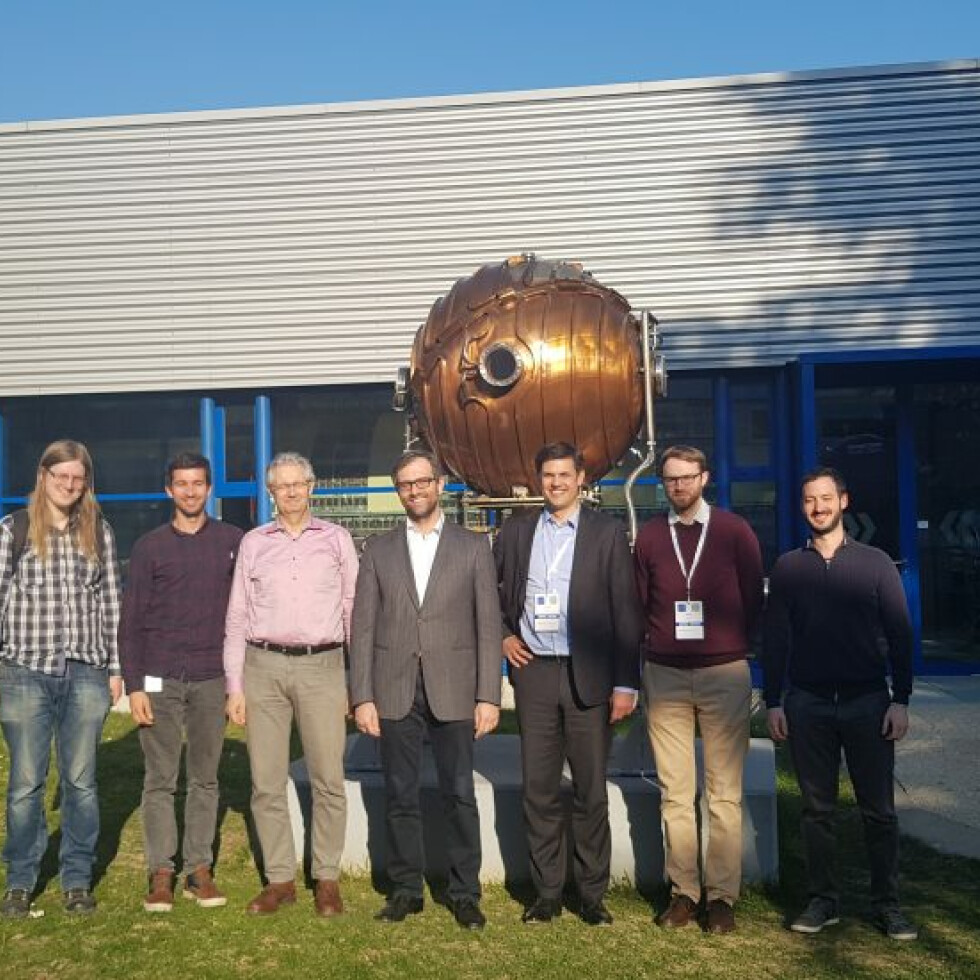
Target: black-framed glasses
407,486
686,480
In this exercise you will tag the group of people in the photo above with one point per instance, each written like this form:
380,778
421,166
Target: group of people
214,623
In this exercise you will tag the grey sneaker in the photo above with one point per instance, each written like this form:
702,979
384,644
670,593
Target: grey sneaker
79,901
16,904
819,913
894,925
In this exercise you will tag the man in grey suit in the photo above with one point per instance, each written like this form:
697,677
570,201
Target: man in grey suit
425,653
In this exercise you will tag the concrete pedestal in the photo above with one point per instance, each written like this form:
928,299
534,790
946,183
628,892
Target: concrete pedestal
634,811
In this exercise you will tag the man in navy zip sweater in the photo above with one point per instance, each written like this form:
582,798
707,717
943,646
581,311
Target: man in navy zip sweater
831,604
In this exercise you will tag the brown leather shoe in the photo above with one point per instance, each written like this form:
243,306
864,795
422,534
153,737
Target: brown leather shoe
327,900
271,897
681,912
160,897
721,916
200,886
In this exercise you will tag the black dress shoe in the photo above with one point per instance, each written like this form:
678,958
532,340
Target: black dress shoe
596,915
399,907
543,910
467,913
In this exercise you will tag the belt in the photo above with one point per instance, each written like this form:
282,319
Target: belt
301,650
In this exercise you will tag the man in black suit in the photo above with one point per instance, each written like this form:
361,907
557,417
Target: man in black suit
425,656
572,630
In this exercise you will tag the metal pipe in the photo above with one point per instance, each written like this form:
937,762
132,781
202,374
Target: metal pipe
649,459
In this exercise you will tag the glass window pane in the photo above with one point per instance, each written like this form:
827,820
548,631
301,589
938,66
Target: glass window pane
756,502
752,423
130,519
130,437
352,436
686,416
239,441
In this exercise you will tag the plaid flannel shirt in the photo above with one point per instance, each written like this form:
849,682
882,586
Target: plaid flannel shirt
65,608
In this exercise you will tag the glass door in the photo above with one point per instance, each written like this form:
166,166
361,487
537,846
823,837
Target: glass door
856,431
947,437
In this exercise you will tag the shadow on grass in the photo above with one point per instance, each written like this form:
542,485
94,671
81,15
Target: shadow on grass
942,891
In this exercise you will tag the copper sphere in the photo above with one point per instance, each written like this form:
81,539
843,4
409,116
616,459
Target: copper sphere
521,354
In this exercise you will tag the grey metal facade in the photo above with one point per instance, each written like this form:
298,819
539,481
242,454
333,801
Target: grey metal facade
758,217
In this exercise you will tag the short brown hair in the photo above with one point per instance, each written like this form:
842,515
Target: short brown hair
687,453
558,450
410,456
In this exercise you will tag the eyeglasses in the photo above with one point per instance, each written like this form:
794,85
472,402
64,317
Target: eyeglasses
291,487
687,480
407,486
67,479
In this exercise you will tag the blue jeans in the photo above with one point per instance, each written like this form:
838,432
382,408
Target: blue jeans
35,707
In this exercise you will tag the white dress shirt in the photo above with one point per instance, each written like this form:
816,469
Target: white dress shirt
422,552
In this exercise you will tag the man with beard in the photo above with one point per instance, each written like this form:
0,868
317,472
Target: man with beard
830,604
699,573
425,657
171,636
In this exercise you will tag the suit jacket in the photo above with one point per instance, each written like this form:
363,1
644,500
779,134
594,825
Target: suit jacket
605,619
455,632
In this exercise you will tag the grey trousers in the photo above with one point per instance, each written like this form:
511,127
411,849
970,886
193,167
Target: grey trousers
312,691
196,708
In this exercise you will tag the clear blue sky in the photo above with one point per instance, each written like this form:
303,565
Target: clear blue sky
68,58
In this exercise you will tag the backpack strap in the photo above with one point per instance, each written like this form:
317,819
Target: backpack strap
20,524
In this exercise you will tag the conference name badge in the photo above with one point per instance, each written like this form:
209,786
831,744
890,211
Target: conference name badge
689,620
547,612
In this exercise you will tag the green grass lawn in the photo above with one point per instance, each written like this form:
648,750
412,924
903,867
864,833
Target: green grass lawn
941,893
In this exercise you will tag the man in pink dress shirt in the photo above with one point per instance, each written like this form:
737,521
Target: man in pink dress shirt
288,620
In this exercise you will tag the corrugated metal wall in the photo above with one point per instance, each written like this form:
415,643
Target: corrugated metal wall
757,217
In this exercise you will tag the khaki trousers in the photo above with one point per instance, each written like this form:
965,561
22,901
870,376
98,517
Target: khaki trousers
718,699
310,690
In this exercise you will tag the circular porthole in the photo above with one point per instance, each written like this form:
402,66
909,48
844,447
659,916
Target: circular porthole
501,366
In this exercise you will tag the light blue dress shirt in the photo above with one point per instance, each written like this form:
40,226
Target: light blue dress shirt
550,570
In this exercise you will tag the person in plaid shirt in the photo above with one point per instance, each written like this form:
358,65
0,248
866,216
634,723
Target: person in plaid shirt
59,669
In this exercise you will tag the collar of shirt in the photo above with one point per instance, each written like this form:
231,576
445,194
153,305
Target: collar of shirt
701,516
810,546
313,524
412,528
570,521
190,534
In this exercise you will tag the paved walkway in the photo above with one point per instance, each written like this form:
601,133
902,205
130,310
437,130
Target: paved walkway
937,765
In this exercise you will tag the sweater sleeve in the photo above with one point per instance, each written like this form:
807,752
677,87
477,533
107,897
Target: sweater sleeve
748,560
897,627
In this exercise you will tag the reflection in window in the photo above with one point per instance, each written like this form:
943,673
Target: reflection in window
130,437
131,519
686,416
756,502
751,423
352,436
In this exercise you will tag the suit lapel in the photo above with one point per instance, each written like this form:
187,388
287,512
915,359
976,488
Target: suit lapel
408,576
443,557
583,546
525,541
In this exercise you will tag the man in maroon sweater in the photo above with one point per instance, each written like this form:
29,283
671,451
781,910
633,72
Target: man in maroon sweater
699,574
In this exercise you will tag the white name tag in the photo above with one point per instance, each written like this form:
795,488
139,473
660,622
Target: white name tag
152,685
689,620
547,612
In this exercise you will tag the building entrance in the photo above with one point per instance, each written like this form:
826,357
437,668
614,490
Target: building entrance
908,443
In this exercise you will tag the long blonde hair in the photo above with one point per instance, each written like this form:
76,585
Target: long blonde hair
85,520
